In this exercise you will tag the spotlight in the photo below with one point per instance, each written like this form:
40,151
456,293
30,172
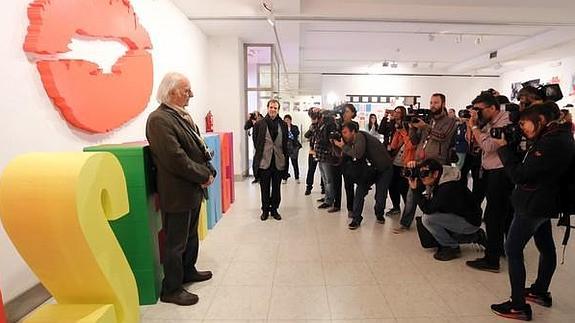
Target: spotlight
431,37
385,63
458,39
478,40
394,65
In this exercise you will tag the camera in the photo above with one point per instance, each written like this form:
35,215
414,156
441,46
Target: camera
253,116
512,133
414,173
415,115
335,135
548,92
513,110
464,114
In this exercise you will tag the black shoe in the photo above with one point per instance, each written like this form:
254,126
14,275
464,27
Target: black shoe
380,219
276,215
323,191
543,299
509,311
199,276
265,216
324,206
393,212
182,297
255,181
307,191
483,264
354,225
447,253
321,200
334,209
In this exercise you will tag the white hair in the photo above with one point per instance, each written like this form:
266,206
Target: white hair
169,82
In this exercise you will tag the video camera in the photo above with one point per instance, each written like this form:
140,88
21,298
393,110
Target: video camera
548,92
414,115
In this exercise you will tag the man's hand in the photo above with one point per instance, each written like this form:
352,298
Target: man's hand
338,143
411,164
412,183
419,124
209,182
473,120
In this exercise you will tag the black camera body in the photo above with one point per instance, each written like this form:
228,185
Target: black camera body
412,173
512,133
253,116
415,115
464,114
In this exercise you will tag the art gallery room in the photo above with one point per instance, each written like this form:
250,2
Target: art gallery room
187,161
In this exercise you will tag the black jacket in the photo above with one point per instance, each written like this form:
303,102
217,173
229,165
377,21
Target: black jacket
259,133
295,133
368,147
538,175
450,196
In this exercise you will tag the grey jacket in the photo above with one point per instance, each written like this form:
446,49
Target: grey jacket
369,147
435,140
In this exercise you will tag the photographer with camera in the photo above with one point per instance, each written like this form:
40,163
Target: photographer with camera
311,135
293,147
402,151
472,159
363,148
537,178
449,209
326,155
252,119
432,141
498,186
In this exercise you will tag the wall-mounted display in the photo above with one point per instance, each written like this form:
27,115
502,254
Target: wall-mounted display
88,98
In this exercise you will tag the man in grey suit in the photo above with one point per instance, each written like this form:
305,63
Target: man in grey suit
184,172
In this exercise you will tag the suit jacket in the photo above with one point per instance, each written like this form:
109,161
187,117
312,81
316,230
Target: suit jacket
260,130
181,163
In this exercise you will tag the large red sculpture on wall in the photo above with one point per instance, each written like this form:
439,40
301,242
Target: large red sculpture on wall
88,98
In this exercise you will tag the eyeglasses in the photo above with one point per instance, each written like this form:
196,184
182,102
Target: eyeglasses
189,93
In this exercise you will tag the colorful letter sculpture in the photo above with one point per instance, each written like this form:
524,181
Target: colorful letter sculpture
137,232
215,190
227,175
88,98
2,313
55,208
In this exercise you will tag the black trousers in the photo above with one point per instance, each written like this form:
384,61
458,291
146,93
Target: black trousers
498,211
337,172
311,167
180,248
295,164
523,228
270,185
473,164
398,187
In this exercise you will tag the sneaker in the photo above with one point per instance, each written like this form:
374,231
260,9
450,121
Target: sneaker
380,219
308,191
393,212
483,265
508,310
543,299
265,216
276,215
321,200
354,225
255,181
322,191
447,253
333,209
400,229
324,206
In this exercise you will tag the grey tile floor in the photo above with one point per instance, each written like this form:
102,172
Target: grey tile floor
310,268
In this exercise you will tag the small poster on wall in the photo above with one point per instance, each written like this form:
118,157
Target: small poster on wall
286,106
515,87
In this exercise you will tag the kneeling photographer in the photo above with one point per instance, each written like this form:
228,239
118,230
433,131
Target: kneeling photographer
449,208
536,199
362,148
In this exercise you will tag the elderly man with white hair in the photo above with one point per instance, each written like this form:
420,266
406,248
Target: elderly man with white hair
184,172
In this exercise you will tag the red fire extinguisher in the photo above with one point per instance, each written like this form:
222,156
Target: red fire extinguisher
209,122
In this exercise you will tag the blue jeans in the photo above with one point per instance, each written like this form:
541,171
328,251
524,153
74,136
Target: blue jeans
439,223
522,229
381,186
326,175
409,210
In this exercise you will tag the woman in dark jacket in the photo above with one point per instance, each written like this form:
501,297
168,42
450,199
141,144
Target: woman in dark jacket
535,199
293,146
270,159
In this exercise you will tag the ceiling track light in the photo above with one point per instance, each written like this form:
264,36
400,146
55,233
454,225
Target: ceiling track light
479,40
459,39
394,64
431,37
385,63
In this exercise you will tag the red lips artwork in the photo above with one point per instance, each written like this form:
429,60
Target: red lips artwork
89,99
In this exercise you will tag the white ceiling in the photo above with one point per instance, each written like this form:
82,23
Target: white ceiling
325,36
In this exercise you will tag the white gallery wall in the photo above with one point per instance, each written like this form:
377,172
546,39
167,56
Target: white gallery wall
460,91
562,70
30,123
226,93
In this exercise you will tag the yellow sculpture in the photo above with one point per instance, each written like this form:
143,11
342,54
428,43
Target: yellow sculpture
55,208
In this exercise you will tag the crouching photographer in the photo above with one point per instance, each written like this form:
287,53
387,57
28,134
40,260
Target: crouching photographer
450,212
370,164
536,199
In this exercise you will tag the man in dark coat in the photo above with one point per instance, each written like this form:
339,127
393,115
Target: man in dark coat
270,159
184,172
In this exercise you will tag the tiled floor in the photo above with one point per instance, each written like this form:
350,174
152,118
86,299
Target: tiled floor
310,268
